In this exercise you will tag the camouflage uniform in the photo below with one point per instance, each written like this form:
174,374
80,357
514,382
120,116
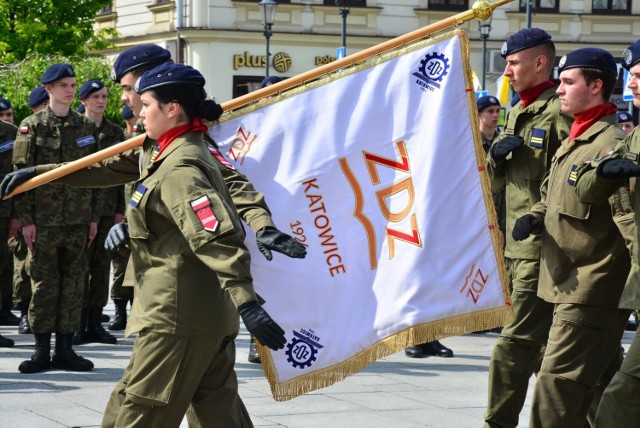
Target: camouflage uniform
58,264
7,137
97,290
519,350
619,403
585,262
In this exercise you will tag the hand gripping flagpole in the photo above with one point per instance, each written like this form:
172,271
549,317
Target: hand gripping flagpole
481,10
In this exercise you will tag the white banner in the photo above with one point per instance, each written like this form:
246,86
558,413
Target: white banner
376,170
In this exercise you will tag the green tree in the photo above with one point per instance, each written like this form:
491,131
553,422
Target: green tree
51,27
18,79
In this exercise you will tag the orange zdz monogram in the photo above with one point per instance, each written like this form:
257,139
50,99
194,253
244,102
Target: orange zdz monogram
241,145
383,196
477,283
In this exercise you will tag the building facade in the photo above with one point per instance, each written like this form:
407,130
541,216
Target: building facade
225,39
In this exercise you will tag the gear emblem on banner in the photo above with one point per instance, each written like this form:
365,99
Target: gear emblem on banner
300,353
434,66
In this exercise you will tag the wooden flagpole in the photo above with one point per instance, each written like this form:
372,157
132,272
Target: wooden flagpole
481,10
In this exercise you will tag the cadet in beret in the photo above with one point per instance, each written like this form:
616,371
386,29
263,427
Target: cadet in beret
183,236
596,182
625,121
6,111
93,97
38,99
250,203
63,218
585,260
517,161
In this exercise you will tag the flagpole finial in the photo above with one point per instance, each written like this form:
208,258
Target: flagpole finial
482,10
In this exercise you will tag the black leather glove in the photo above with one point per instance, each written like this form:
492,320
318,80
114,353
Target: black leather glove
524,226
117,237
262,326
269,238
502,148
15,178
618,168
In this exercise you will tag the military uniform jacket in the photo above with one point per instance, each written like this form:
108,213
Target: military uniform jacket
112,198
187,278
7,138
592,189
543,127
44,138
585,259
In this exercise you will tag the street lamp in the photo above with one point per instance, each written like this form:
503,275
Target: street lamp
343,5
484,27
268,9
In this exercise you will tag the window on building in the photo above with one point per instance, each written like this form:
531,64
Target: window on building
611,6
106,10
349,3
540,5
448,4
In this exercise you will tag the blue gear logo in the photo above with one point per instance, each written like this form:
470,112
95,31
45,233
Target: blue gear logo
300,353
434,66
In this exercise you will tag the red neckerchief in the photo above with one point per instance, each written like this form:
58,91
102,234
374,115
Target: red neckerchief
168,137
583,121
530,95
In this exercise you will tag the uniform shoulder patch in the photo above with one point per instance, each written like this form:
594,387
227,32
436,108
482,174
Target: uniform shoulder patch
216,154
203,209
24,129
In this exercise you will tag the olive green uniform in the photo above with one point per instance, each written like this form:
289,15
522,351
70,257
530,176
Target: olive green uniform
97,286
498,197
7,137
619,404
189,281
519,350
584,264
57,264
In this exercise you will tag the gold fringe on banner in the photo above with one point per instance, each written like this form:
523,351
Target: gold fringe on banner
427,332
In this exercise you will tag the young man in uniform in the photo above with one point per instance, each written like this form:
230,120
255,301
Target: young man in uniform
58,222
585,260
38,101
93,96
6,111
8,227
596,182
518,161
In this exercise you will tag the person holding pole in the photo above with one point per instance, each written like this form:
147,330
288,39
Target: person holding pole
518,161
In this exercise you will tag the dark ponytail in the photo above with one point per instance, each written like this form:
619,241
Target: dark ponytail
192,98
209,110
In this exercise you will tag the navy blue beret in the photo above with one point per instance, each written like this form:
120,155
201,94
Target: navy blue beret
37,96
89,87
595,58
81,109
127,113
524,39
631,55
270,80
487,101
136,57
624,116
57,72
4,104
169,74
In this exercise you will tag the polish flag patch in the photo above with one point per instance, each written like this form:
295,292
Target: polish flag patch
204,211
24,129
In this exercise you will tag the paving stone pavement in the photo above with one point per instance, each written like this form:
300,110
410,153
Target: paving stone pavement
393,392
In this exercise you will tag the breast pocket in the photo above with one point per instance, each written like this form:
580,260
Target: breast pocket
531,159
136,210
48,141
